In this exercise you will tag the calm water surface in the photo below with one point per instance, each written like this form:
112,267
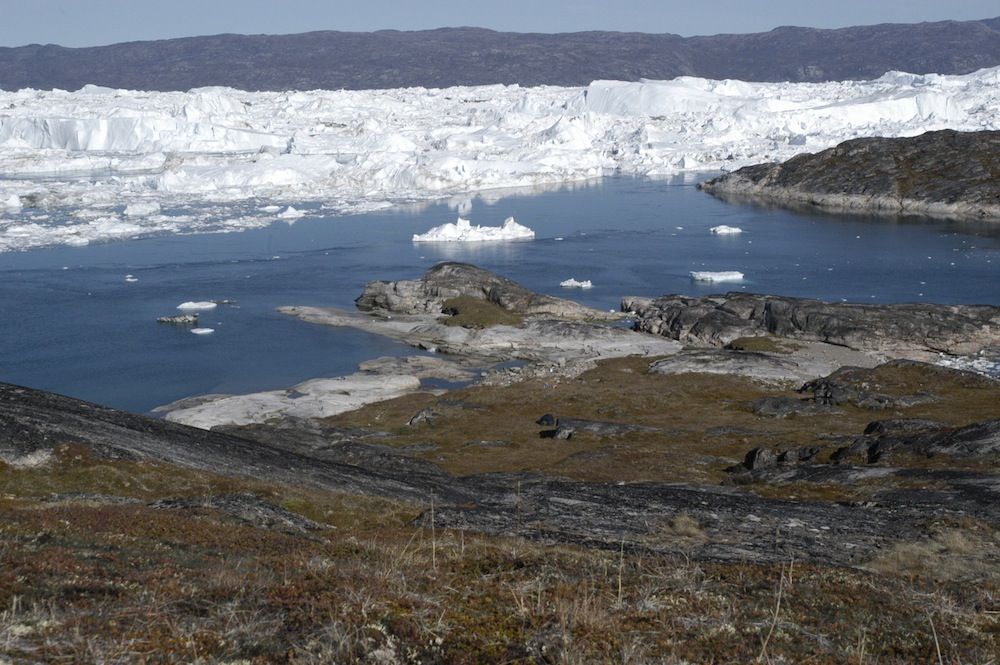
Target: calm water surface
70,323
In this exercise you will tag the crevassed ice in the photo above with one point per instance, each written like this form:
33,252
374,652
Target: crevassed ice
210,157
463,231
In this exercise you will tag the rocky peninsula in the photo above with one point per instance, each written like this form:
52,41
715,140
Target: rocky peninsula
941,174
713,478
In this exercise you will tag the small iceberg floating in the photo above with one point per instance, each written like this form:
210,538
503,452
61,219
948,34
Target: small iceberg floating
202,331
291,213
463,231
131,279
191,306
723,276
724,230
571,283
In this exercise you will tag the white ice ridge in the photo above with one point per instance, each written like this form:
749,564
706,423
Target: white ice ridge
722,276
207,156
464,231
572,283
195,305
724,230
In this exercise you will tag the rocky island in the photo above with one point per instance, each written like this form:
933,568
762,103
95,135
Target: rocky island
725,478
942,174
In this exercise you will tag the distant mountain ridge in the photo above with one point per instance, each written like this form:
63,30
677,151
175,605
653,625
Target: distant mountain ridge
475,56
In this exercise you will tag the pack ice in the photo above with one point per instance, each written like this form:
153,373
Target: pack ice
203,160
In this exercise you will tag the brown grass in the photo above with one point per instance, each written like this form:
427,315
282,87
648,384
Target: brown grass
93,580
100,583
705,424
469,312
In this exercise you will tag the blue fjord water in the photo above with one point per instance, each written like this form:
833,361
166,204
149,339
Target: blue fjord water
70,323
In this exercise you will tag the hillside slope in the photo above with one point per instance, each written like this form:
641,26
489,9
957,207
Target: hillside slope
473,56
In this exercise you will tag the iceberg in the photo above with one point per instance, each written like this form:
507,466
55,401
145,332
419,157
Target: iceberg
723,276
216,153
192,306
572,283
291,213
463,231
202,331
724,230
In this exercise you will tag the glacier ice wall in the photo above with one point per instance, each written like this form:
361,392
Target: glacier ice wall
218,159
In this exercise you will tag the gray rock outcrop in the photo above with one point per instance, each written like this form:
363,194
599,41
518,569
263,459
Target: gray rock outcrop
943,173
915,331
761,366
452,280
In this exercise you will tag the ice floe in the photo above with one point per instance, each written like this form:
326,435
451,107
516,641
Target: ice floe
723,230
721,276
572,283
212,152
144,209
195,305
463,231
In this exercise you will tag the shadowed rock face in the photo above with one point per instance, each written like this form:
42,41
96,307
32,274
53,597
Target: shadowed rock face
914,331
452,280
944,173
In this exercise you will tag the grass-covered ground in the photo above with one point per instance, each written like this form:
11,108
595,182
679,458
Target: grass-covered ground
90,571
85,580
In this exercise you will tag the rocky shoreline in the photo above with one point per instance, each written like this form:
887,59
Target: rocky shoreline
943,173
